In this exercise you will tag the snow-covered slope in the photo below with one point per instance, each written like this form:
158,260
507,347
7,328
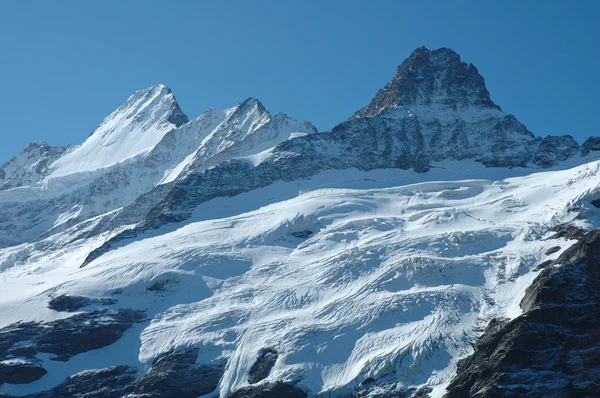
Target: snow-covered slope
370,286
133,129
138,147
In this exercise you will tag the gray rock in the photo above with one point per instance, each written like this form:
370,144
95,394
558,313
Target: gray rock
66,337
69,303
17,335
592,144
567,231
430,76
112,382
555,149
553,348
84,332
269,390
552,250
302,234
176,374
261,368
29,166
18,371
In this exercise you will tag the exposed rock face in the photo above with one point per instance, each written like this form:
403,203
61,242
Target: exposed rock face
29,166
567,231
432,77
262,366
84,332
66,337
592,144
102,383
176,374
173,374
20,371
555,149
73,303
553,349
269,390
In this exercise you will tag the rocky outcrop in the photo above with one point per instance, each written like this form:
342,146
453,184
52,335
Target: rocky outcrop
17,371
173,374
66,337
69,303
176,374
112,382
553,349
29,166
592,144
261,368
269,390
555,149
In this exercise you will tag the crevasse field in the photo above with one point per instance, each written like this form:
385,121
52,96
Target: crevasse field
349,275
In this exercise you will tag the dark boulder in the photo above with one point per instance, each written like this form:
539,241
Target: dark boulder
269,390
69,303
302,234
261,368
176,374
17,371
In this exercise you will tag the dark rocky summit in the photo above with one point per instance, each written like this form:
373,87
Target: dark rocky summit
555,149
416,82
553,349
592,144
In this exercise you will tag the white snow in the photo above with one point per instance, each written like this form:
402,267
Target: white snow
402,271
133,129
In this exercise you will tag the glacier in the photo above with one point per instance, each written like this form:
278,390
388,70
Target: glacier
254,251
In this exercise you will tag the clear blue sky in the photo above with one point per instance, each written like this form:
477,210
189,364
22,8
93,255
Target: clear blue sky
65,65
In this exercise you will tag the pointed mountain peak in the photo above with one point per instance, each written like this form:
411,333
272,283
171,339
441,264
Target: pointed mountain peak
252,103
431,77
157,95
132,129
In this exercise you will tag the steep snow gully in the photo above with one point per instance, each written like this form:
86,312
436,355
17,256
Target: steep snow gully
430,245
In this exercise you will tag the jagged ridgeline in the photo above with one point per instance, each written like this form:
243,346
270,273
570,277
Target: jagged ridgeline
245,254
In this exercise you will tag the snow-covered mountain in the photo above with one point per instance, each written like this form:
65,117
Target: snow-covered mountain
245,254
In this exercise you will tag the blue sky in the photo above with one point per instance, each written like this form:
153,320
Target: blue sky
68,64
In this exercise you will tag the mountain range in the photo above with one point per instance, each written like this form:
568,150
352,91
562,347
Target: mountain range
409,251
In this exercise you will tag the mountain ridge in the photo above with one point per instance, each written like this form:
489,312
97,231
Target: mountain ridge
243,253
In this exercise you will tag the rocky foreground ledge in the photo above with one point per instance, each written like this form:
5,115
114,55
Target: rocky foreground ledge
552,349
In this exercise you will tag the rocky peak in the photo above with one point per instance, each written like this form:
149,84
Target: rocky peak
157,101
432,77
29,166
